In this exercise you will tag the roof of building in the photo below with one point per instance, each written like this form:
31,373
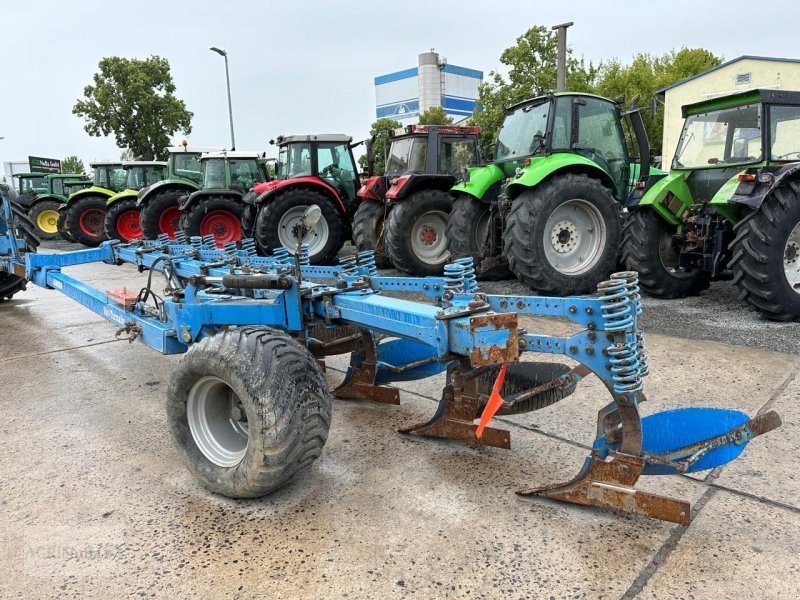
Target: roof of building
725,64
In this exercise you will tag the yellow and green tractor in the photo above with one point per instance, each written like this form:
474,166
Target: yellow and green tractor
82,218
122,215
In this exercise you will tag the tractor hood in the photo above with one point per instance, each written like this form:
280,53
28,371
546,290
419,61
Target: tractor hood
91,191
124,194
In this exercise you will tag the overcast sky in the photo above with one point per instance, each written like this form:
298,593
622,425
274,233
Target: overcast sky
308,66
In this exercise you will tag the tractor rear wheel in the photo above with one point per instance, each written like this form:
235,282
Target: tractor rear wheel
276,220
85,219
648,247
561,237
122,221
44,215
248,409
766,255
216,215
161,214
61,224
415,232
369,230
466,232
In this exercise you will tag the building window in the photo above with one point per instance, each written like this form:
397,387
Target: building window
743,78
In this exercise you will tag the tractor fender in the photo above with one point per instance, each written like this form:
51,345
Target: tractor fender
544,167
145,194
123,195
479,180
405,185
273,188
752,194
190,200
42,197
667,194
90,191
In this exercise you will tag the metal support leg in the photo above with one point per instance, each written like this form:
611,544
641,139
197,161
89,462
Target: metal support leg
359,383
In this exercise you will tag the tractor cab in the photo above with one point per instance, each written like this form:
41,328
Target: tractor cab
141,174
74,185
327,157
234,170
28,185
109,176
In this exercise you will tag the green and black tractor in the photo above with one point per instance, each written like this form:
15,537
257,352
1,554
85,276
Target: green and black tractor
42,195
158,203
217,207
403,213
122,216
729,208
549,207
81,218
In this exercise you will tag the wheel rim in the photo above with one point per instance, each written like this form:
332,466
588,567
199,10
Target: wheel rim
575,235
47,221
481,227
223,225
169,220
791,259
217,421
91,222
128,225
428,241
317,239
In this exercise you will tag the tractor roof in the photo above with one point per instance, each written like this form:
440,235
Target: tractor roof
67,175
108,163
557,94
231,154
31,174
192,149
128,164
441,129
742,98
337,138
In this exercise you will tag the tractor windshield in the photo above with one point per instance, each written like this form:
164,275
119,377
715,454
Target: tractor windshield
523,131
32,185
407,155
294,160
731,136
70,187
335,165
187,165
141,177
784,134
244,173
214,173
110,177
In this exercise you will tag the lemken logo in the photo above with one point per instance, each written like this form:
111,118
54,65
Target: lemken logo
113,316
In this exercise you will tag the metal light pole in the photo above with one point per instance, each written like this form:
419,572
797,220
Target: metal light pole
224,55
561,64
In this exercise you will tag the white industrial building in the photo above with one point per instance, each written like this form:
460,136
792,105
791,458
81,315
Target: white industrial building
403,95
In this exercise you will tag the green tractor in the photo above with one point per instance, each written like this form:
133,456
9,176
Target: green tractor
43,195
158,203
549,208
81,218
217,208
122,216
729,208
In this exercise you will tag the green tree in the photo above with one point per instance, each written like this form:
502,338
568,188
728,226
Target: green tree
380,145
531,63
435,115
72,164
134,100
646,74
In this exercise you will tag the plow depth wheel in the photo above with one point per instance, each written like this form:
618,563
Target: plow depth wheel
44,215
248,409
415,232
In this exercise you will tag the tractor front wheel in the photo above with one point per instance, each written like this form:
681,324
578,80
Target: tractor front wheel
161,215
122,221
248,409
415,232
648,247
44,215
61,224
277,218
217,216
766,255
561,237
85,219
369,230
467,233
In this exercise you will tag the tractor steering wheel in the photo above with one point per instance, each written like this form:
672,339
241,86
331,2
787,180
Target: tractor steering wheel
329,170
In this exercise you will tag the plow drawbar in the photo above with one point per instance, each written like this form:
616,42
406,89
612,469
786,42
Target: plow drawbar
248,406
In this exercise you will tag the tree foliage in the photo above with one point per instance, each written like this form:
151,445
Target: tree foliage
435,115
531,66
380,145
72,164
135,101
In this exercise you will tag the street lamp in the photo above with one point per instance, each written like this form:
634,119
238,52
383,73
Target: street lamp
224,55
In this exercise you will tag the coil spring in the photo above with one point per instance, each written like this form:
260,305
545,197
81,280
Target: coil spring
617,308
163,238
468,275
304,258
196,241
249,246
282,255
631,279
230,248
180,237
348,264
453,277
625,368
367,259
209,241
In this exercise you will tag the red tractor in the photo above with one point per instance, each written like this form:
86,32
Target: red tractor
403,213
311,170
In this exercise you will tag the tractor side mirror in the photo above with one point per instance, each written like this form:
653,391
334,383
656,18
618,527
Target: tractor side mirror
311,217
